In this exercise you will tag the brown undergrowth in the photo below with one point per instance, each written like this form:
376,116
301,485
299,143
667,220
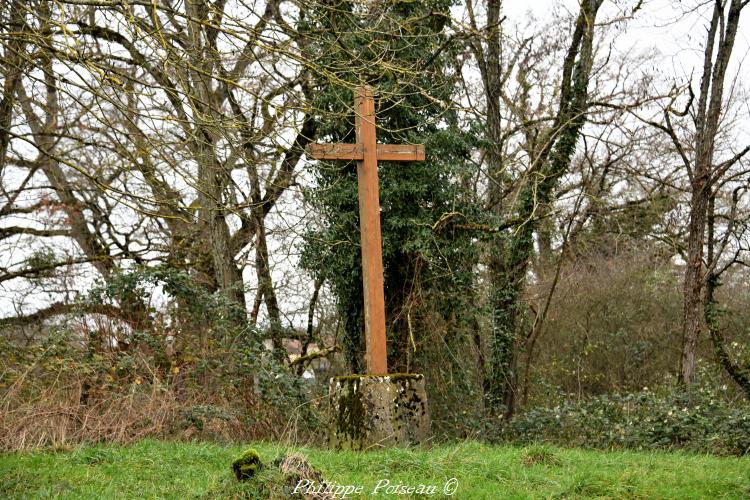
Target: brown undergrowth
53,400
58,417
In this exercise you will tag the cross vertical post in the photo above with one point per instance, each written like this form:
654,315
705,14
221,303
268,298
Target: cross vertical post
367,152
369,216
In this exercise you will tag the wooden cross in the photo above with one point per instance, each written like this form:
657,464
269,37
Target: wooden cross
367,153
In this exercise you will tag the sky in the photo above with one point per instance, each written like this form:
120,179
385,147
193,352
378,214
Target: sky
661,24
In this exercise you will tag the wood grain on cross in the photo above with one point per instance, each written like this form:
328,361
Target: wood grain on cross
367,153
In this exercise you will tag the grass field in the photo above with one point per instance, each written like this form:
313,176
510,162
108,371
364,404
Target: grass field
155,469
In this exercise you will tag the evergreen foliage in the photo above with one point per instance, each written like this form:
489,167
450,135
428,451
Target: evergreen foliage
424,254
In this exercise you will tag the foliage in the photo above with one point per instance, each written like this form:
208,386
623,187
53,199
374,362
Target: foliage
191,299
191,373
701,421
612,326
424,253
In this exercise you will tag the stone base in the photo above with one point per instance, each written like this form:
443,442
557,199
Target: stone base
371,411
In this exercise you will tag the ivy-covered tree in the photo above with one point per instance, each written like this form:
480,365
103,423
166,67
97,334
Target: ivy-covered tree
517,218
401,49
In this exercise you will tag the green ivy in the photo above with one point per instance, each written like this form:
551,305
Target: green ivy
424,253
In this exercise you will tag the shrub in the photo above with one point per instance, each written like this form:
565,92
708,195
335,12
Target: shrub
186,373
698,421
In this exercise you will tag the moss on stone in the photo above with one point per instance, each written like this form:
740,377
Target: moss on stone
351,410
246,465
377,410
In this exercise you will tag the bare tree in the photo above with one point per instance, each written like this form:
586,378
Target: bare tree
163,133
696,133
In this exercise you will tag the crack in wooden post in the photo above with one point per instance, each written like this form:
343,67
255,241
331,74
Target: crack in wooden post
367,153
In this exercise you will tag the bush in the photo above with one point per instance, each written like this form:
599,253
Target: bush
614,325
187,373
698,421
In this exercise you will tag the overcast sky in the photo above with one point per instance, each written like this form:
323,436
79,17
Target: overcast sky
675,29
666,25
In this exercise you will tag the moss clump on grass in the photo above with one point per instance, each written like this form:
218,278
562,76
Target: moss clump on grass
540,455
246,465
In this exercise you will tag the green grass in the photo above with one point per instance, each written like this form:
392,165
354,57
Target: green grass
156,469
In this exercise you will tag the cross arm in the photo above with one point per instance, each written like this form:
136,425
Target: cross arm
400,152
385,152
336,151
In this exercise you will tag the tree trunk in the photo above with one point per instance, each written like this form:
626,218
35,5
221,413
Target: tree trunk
693,285
704,173
741,375
213,177
265,286
510,258
15,53
228,276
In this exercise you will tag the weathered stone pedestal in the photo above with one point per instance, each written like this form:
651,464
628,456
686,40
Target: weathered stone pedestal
371,411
